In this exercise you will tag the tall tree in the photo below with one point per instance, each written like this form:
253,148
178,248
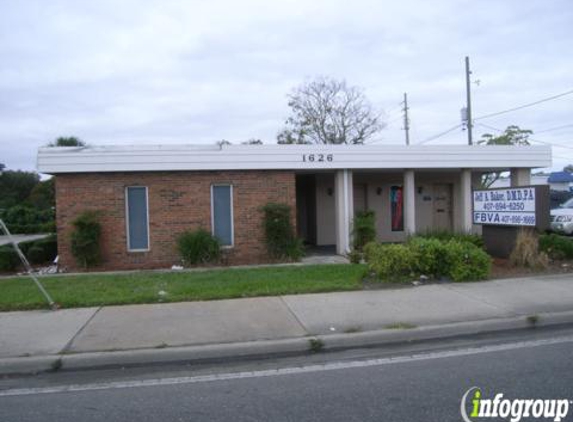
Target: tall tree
327,111
16,186
70,141
43,195
512,135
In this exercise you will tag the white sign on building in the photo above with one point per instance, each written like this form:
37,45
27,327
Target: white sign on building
505,207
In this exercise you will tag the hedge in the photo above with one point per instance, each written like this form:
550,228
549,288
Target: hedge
457,260
40,251
557,247
9,260
445,235
24,219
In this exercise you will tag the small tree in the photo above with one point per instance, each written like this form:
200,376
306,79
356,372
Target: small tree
70,141
364,228
222,143
279,233
512,135
327,111
86,239
252,141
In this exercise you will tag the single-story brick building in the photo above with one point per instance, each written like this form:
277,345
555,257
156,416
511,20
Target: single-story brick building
148,195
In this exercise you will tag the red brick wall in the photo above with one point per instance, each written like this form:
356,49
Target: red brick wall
178,201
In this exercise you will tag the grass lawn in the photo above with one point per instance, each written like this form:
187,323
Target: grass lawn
144,287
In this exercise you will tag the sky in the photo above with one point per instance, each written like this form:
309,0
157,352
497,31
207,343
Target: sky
196,72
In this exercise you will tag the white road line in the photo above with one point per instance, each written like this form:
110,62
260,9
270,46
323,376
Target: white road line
333,366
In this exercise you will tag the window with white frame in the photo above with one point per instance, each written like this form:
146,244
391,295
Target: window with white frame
137,217
222,213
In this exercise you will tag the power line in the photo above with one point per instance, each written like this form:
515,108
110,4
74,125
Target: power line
551,129
531,139
394,109
395,119
439,135
497,113
563,157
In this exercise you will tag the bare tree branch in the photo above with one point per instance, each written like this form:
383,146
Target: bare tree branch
327,111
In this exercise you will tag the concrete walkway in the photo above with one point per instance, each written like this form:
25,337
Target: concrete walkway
280,319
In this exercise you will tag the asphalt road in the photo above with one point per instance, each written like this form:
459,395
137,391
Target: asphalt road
413,383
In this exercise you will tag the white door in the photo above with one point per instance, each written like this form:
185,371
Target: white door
443,207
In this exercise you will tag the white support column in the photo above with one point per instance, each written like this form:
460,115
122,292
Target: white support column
344,210
520,177
409,202
466,223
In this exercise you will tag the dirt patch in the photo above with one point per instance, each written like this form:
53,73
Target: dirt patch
501,268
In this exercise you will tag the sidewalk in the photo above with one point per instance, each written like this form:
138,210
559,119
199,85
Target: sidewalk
119,335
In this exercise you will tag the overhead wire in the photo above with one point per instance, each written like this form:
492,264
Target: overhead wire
554,128
509,110
439,135
531,139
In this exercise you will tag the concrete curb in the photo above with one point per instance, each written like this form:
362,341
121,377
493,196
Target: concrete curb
276,348
433,332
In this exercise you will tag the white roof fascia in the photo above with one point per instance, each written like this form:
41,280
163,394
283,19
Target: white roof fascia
54,160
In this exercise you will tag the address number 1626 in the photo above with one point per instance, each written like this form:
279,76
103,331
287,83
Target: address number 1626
317,158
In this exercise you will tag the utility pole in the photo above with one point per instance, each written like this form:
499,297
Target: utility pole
406,120
469,102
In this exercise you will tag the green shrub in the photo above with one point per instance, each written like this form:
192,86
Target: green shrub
363,228
25,246
460,261
445,235
9,259
50,246
40,251
369,251
279,233
86,239
467,262
431,256
198,247
25,219
35,255
557,247
355,256
43,250
295,249
390,262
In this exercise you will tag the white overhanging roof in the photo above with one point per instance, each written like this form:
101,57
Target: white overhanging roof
54,160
